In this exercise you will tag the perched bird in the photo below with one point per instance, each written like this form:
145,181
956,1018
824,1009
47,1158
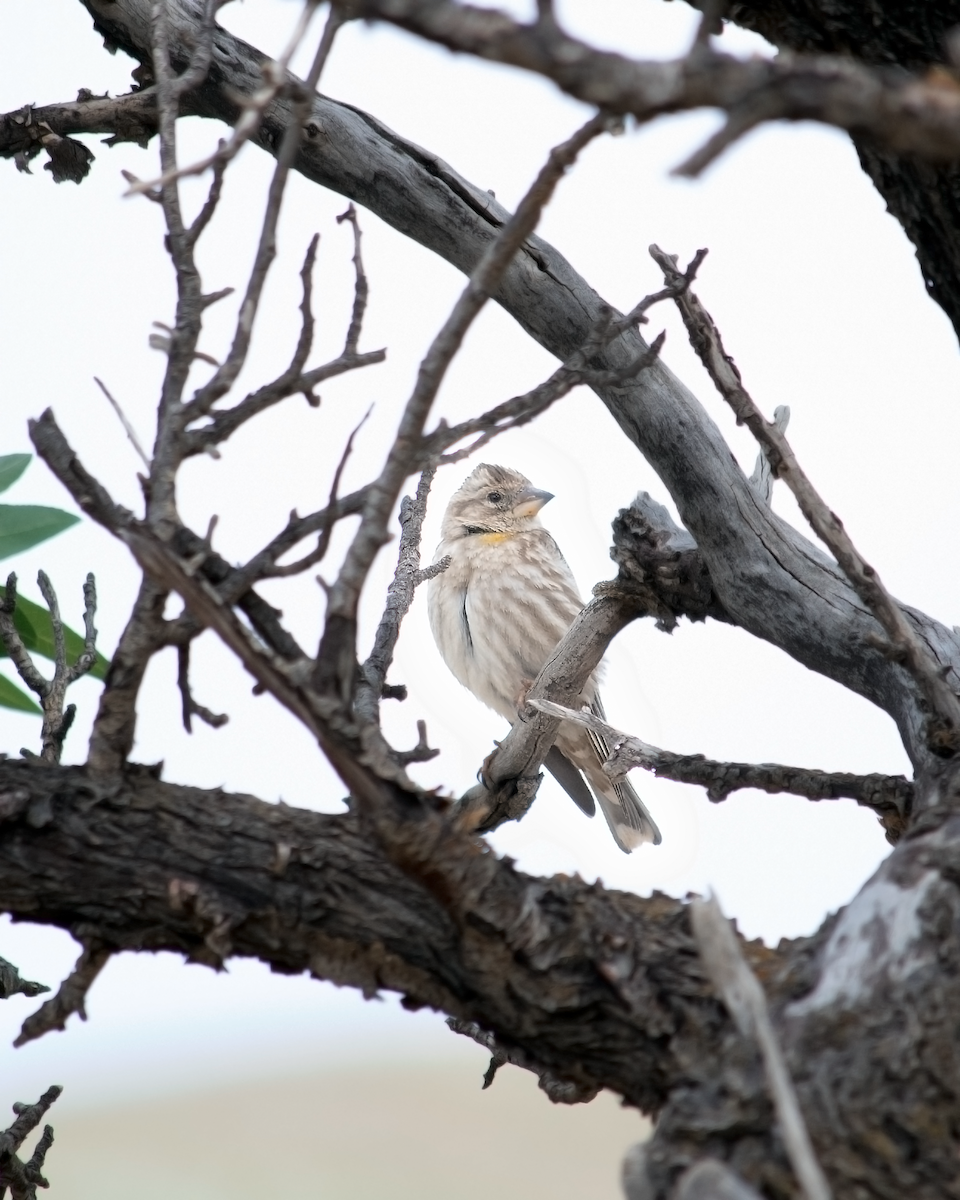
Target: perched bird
497,612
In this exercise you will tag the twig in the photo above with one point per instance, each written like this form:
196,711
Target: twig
189,707
127,427
943,722
11,982
23,1178
406,579
225,375
52,692
70,997
890,796
745,1001
361,287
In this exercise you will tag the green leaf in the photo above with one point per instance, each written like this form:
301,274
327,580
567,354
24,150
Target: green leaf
12,697
12,466
36,630
24,525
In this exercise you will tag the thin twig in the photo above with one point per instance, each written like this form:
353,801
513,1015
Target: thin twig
189,706
943,724
407,577
745,1001
890,796
127,427
361,287
225,376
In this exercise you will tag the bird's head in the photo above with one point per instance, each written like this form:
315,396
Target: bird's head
493,501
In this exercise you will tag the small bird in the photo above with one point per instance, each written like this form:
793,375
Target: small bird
499,610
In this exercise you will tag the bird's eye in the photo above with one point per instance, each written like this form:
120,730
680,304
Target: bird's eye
494,497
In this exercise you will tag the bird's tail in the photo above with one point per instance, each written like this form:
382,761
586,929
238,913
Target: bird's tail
627,816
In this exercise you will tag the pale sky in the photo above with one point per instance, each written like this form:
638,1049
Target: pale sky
820,301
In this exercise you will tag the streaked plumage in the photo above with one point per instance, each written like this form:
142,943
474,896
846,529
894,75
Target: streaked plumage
497,612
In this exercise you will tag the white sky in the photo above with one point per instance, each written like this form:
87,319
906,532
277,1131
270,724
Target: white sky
820,301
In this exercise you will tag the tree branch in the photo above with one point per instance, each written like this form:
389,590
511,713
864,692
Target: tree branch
890,796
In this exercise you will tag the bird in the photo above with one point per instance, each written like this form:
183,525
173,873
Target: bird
499,609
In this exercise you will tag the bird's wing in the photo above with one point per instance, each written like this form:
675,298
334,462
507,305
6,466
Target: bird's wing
570,779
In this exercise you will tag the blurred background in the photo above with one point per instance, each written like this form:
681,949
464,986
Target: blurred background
242,1083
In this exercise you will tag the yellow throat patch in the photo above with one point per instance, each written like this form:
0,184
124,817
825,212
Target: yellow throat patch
494,539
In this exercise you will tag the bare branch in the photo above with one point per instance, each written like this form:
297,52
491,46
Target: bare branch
890,796
56,719
127,427
225,376
405,581
70,997
189,706
11,983
746,1003
21,1178
361,287
294,379
907,113
905,645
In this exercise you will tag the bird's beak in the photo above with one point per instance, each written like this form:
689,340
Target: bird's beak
530,501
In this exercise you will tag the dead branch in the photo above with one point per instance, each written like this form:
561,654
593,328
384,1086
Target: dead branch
746,1003
57,719
12,984
189,706
915,114
23,1178
70,997
890,796
225,375
905,645
406,579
